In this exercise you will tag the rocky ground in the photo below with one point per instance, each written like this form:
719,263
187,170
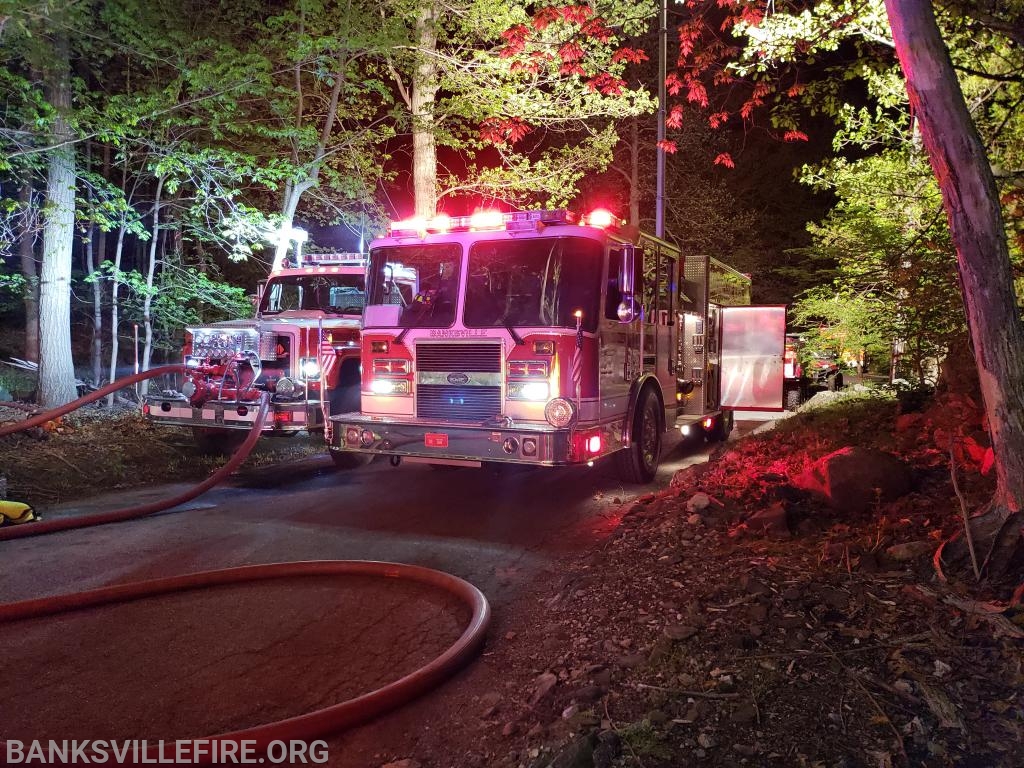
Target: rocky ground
735,619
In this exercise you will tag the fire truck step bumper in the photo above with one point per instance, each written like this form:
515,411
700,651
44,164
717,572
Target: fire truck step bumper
438,443
218,415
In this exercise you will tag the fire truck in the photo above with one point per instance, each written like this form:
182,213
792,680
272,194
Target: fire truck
535,338
302,348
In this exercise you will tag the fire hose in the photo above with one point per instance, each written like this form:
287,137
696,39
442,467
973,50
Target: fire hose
305,727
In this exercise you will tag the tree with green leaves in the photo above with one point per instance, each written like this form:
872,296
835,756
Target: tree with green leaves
538,85
966,50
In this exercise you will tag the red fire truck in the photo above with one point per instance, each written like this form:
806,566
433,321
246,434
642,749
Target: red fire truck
530,338
302,347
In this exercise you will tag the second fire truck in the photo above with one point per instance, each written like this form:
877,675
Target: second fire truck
532,338
301,349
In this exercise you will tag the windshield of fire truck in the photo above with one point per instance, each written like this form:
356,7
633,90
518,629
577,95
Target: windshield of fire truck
535,282
422,280
334,293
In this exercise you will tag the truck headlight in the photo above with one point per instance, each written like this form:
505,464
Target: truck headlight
537,391
309,368
559,412
389,386
192,361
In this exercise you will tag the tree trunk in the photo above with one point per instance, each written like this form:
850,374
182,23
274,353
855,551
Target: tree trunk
975,220
147,301
91,269
424,92
295,189
30,271
115,285
56,368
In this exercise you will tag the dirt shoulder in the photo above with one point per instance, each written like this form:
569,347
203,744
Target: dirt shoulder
700,636
94,450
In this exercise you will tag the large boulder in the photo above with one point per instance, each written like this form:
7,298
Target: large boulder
852,479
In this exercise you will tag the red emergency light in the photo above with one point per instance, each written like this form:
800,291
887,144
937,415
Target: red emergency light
600,218
487,220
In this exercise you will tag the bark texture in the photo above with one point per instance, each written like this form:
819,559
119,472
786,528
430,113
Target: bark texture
56,369
969,192
30,271
424,95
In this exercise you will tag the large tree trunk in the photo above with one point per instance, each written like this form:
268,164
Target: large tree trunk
56,369
972,204
30,271
424,93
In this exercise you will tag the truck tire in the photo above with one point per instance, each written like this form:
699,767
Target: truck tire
723,427
218,442
792,398
348,459
639,462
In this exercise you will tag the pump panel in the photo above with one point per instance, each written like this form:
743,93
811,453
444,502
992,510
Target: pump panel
753,343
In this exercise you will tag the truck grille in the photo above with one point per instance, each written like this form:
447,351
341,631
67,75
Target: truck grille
471,404
480,358
458,402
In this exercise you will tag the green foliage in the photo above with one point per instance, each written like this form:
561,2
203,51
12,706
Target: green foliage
181,295
894,269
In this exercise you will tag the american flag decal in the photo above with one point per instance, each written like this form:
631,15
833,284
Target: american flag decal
577,356
328,358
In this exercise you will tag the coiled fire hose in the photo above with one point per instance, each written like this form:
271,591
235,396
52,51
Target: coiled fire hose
304,727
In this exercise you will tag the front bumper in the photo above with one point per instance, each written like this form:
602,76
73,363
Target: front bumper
282,418
534,444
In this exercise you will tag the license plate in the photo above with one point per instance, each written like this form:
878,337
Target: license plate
435,440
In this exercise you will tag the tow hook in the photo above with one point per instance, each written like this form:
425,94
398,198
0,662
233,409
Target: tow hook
395,460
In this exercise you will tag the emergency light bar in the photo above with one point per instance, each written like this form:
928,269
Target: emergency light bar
348,259
483,221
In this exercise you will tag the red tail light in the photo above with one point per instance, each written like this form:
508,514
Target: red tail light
282,417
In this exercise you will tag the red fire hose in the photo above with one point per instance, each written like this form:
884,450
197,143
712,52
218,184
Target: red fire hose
320,722
303,727
128,513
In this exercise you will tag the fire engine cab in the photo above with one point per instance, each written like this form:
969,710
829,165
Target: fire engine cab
302,348
531,338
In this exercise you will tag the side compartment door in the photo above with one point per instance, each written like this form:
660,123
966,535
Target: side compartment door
620,358
752,344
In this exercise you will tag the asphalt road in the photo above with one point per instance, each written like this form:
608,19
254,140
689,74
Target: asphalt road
193,665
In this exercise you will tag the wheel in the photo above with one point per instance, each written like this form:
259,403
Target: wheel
723,426
217,442
792,398
348,459
639,462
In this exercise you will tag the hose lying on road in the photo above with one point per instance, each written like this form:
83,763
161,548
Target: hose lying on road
128,513
302,727
320,722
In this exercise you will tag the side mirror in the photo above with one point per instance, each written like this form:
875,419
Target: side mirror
627,311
